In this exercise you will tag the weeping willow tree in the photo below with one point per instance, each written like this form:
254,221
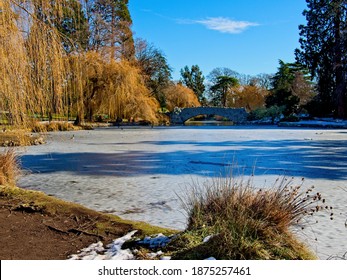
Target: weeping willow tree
49,66
177,95
47,70
116,88
34,65
13,67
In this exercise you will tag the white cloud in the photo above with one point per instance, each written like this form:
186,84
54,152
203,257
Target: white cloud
225,25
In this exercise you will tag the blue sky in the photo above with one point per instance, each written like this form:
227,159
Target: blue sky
248,36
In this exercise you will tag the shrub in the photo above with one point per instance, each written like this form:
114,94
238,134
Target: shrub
244,222
291,118
272,113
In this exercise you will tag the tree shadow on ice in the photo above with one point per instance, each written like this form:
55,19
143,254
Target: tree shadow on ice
326,159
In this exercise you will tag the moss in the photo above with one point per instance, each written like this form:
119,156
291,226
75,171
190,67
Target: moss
190,246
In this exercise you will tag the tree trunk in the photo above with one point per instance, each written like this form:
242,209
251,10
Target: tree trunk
113,35
340,94
78,120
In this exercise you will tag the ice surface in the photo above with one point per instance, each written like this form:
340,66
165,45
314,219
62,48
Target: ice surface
143,173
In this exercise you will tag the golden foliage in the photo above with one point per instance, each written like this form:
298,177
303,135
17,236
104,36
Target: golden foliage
38,77
32,61
249,97
177,95
117,88
13,70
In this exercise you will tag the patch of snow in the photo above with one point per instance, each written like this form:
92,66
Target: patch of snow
324,123
114,251
96,251
207,238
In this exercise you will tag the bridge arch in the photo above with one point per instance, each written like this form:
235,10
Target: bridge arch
236,115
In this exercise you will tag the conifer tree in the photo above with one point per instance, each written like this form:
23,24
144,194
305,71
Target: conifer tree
74,26
221,89
193,79
111,29
323,50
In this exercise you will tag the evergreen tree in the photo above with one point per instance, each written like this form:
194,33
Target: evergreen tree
323,50
68,18
193,79
214,75
74,25
111,29
291,87
221,89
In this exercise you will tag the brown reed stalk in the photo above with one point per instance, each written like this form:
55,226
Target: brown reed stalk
9,168
247,222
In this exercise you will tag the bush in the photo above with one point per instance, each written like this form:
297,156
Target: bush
272,113
257,114
291,118
244,222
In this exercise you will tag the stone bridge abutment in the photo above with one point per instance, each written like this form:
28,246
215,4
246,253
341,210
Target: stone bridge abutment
236,115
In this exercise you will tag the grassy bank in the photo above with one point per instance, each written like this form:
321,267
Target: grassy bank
35,201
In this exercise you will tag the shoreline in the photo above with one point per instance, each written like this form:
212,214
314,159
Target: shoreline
35,226
114,148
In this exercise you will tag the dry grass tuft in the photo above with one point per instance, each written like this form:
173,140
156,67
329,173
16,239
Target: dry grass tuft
9,168
19,137
53,126
245,222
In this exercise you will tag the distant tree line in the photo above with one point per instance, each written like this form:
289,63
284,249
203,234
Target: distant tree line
78,59
316,83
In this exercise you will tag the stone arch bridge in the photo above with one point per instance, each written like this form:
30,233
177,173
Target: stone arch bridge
236,115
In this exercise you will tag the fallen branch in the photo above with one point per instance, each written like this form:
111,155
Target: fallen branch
56,229
75,231
78,231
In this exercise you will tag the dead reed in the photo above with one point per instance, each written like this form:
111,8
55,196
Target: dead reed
52,126
9,168
245,222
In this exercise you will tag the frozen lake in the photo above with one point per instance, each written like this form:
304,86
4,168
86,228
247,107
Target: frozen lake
138,173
